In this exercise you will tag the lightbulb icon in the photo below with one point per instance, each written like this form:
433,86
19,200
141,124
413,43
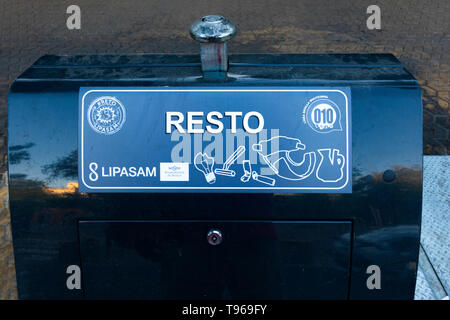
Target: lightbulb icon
205,164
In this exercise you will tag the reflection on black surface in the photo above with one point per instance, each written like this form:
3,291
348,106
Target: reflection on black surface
376,206
372,200
19,153
25,187
395,250
65,167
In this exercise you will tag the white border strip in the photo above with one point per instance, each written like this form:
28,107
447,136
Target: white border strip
215,90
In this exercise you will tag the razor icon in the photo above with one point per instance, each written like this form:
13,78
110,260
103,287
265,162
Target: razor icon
226,171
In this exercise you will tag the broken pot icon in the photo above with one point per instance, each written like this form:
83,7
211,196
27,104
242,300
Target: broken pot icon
288,161
331,165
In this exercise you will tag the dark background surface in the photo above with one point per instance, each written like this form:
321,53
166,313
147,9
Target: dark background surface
415,31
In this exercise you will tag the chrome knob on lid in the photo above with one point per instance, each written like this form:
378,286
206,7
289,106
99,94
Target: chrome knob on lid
212,32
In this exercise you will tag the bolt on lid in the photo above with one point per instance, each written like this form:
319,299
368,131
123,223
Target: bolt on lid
212,28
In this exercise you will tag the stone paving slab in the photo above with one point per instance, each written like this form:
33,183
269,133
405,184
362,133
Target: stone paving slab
435,232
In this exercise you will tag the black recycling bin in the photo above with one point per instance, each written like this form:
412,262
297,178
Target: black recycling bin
248,176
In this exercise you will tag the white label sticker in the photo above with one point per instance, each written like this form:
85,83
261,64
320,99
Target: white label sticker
174,171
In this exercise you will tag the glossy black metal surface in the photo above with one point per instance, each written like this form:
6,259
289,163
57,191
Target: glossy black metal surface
256,260
385,214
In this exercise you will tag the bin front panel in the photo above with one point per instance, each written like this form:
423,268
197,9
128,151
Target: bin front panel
255,260
46,204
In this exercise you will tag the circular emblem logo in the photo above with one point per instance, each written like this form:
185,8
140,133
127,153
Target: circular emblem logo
106,115
322,115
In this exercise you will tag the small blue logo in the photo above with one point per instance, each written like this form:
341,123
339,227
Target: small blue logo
106,115
322,115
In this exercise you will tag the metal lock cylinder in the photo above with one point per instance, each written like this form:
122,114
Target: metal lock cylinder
212,32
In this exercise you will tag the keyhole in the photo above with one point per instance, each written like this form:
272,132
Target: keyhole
214,237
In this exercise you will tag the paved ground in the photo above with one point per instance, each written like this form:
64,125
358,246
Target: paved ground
415,31
433,279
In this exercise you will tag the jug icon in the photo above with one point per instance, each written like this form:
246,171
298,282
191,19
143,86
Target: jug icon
331,165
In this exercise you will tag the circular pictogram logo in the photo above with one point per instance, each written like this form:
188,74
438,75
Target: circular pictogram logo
106,115
322,115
